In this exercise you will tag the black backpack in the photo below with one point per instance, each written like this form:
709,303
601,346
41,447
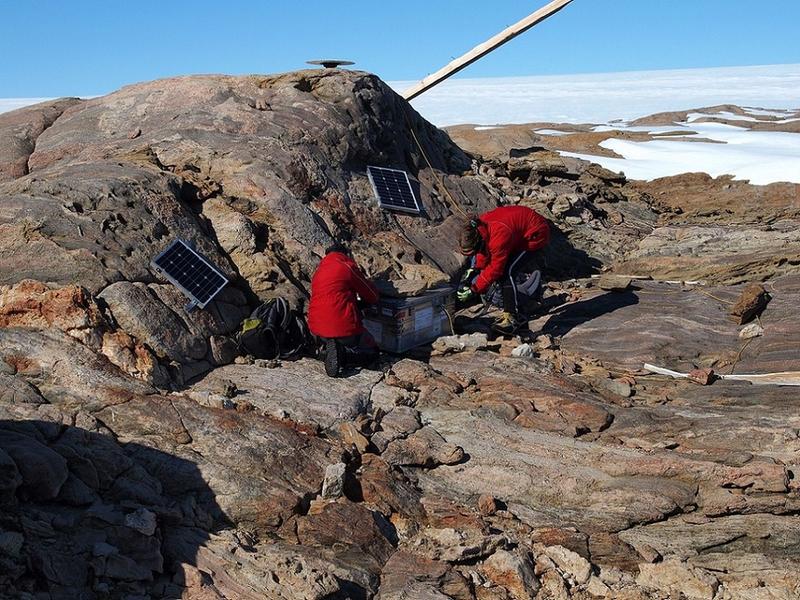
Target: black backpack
273,330
528,285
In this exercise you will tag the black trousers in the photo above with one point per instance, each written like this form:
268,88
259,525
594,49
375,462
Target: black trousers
359,350
511,294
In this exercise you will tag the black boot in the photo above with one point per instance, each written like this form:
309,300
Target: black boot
334,358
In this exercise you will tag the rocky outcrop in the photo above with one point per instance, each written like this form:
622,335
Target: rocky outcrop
138,460
19,131
260,173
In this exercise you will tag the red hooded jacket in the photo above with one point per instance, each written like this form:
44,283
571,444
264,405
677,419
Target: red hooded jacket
505,231
333,310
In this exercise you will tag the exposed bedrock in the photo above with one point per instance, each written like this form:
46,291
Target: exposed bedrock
137,460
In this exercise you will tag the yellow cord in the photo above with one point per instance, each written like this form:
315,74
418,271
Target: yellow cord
712,296
450,318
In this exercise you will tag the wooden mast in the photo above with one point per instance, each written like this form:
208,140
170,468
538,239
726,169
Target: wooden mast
483,49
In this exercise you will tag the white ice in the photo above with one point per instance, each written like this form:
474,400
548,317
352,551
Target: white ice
762,157
601,97
7,104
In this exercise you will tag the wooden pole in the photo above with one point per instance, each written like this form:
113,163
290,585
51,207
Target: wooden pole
483,49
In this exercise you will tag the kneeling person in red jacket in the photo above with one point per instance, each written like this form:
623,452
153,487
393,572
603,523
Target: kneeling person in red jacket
499,241
334,314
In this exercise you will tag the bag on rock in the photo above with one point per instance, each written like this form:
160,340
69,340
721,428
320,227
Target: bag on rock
273,330
528,288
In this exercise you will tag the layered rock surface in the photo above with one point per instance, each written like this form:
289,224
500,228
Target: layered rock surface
137,462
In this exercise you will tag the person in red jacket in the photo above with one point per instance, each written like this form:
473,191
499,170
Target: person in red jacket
334,313
500,242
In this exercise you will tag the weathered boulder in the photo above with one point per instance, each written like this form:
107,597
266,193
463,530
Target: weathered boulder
678,578
513,571
406,575
751,303
298,390
573,565
423,448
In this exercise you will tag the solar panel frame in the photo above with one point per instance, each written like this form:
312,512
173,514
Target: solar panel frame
206,295
387,203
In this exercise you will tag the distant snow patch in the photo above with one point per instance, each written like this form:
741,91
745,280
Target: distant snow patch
553,132
762,157
729,116
652,129
767,113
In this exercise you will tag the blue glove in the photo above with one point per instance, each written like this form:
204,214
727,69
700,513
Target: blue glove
464,293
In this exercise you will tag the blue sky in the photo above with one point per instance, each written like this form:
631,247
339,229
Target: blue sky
85,47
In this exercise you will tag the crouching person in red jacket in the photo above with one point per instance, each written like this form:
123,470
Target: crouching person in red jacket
334,314
500,241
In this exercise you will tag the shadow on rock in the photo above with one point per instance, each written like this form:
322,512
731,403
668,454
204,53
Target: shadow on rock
564,261
83,516
570,316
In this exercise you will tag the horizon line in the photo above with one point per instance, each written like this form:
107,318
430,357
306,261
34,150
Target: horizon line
393,82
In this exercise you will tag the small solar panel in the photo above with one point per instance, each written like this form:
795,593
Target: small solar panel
192,274
393,189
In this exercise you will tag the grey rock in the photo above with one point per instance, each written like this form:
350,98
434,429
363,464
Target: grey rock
103,549
617,387
11,543
142,520
10,478
572,564
385,397
333,484
15,390
678,578
456,545
514,571
141,313
750,331
76,493
461,343
523,351
424,448
400,422
223,349
299,388
43,471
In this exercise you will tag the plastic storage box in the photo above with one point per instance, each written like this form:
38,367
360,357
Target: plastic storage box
399,324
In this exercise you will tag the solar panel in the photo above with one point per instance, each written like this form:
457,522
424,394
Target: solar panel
393,189
192,274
